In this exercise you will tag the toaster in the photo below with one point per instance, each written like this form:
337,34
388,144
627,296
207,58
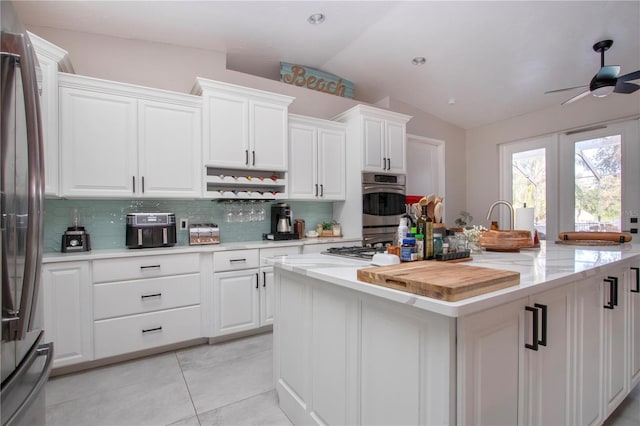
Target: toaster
204,233
145,230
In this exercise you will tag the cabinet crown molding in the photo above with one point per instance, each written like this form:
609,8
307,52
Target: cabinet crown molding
312,121
203,85
52,52
371,111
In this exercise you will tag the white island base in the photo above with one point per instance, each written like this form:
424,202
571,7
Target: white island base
348,358
350,353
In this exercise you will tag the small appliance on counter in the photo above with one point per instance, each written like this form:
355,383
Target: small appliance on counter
281,224
75,237
146,230
204,233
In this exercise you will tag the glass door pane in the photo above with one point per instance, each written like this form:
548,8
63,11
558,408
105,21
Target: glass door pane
598,184
529,181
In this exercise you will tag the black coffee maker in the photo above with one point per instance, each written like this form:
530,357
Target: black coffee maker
281,223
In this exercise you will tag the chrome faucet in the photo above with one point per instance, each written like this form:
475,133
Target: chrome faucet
506,203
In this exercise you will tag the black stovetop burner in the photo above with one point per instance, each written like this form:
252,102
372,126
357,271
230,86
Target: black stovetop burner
357,252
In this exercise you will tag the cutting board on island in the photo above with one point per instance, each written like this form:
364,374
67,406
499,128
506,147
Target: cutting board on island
439,280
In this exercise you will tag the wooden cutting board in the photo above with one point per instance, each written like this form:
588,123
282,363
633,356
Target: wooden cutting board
439,280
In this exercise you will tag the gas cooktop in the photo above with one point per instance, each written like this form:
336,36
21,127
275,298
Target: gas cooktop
355,252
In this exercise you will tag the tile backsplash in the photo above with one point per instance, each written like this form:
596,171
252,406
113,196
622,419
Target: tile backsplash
104,220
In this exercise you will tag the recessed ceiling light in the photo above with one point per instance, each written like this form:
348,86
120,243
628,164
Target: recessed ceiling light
419,60
452,100
316,18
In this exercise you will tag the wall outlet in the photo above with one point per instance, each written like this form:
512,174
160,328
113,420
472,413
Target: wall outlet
184,223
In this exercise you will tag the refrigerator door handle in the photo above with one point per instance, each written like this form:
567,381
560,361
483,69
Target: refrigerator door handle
17,45
45,349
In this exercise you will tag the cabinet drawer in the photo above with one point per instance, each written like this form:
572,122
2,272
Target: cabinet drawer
132,268
137,332
136,297
235,260
266,253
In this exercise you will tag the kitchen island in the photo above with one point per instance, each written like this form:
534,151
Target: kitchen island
562,347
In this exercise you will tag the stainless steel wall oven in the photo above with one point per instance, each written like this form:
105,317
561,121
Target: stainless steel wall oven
383,204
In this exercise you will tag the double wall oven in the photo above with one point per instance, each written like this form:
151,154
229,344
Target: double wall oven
383,204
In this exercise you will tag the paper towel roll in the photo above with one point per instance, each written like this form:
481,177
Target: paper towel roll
524,220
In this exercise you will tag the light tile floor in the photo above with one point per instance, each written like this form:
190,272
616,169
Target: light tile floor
228,383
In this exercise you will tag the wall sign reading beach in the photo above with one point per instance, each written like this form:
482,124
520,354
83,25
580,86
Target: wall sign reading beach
314,79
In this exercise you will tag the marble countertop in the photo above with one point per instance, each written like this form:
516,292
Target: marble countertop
540,269
125,252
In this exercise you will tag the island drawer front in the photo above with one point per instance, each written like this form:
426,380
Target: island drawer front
275,252
138,332
131,268
136,297
235,260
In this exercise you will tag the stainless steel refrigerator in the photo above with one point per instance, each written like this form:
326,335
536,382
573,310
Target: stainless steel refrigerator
26,359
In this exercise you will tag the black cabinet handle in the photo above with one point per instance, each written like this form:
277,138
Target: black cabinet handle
150,267
246,157
148,296
534,345
388,163
151,330
142,184
264,279
543,341
609,304
316,189
321,190
615,290
253,158
637,289
257,280
133,180
384,163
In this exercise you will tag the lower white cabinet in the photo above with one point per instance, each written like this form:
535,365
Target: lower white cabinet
515,364
634,326
68,315
243,289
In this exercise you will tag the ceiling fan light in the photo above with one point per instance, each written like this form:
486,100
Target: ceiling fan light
603,91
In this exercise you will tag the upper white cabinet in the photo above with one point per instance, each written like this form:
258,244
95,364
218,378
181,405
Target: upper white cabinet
124,141
317,164
382,136
243,128
51,59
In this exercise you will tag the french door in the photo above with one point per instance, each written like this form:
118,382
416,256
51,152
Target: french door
585,180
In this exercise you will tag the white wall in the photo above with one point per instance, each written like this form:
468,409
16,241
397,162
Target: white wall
482,143
175,68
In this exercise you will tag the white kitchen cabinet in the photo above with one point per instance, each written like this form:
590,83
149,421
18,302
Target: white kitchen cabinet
123,141
51,58
317,166
508,374
615,340
243,128
381,135
243,288
68,311
145,302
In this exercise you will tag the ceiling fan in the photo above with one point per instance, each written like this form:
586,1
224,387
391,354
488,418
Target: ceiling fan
606,81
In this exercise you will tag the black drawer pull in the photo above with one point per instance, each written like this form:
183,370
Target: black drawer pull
152,330
609,304
534,339
264,278
237,260
150,267
543,341
148,296
637,289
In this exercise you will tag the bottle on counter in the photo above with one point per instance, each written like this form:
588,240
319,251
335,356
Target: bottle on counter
428,240
403,230
419,247
438,245
408,249
421,228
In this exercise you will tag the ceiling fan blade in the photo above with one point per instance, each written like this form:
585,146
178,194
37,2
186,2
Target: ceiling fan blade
622,87
608,72
631,76
575,98
564,90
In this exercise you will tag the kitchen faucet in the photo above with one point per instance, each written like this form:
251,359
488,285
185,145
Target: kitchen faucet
506,203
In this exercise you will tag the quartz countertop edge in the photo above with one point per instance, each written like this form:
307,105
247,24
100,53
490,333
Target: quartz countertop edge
212,248
540,269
